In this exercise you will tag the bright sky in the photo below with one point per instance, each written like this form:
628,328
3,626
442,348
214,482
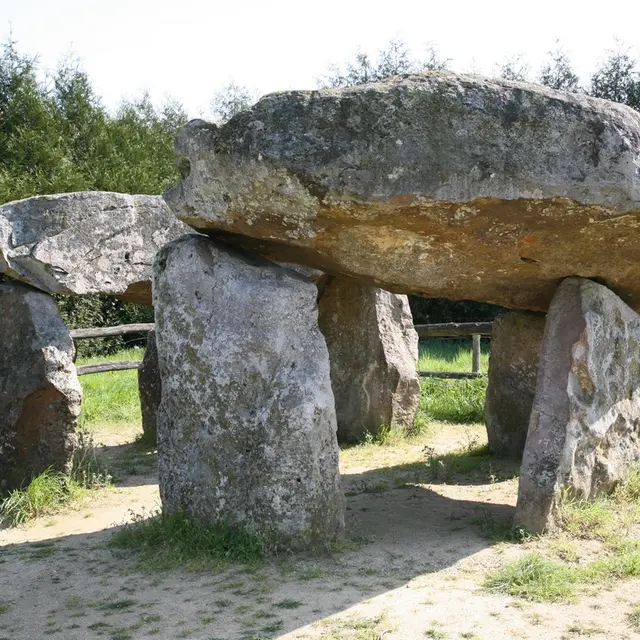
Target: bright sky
188,49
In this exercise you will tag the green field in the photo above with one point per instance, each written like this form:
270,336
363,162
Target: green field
445,354
110,397
113,397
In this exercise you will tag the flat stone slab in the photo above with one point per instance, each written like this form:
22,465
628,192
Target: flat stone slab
437,184
247,423
584,433
86,242
40,394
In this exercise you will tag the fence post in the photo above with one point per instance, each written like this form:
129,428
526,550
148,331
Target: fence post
475,363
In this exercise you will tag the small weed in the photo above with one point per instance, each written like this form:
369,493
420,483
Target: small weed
312,573
288,604
634,617
581,630
273,627
535,619
500,531
117,605
435,632
4,608
365,487
354,628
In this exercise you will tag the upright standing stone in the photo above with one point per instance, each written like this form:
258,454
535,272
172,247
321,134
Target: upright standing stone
247,426
585,426
513,368
149,388
40,394
373,350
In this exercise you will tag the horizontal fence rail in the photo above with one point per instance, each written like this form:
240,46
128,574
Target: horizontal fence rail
106,332
444,330
101,367
453,375
453,329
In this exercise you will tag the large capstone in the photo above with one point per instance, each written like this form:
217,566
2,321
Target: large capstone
40,394
247,424
149,388
584,433
513,369
373,349
437,184
86,242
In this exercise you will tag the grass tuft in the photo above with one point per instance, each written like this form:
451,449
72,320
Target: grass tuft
53,490
533,578
46,493
166,542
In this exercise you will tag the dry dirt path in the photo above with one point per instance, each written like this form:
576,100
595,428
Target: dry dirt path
415,572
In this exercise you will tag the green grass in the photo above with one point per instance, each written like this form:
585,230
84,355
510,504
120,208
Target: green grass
168,542
608,519
46,493
459,401
110,397
52,490
442,354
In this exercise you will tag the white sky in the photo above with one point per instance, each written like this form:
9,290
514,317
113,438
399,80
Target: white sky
188,49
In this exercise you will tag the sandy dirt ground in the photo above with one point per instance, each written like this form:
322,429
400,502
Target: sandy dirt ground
415,570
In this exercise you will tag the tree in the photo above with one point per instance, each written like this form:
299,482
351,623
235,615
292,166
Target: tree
394,60
514,68
231,100
618,79
558,73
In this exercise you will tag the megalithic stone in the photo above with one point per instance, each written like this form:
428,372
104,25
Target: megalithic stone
40,395
584,433
373,350
247,425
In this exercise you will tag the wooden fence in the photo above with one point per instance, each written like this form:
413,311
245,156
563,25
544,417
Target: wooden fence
447,330
107,332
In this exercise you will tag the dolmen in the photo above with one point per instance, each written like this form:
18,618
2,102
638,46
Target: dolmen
435,184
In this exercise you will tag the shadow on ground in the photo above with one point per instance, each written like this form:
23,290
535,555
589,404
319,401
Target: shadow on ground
79,587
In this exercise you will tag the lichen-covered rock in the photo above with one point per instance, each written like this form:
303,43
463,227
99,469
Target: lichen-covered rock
246,426
373,350
40,394
438,184
149,388
584,432
513,368
86,242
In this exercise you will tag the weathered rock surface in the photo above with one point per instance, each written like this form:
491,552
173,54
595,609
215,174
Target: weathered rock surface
373,350
86,242
438,184
513,369
585,426
150,388
246,426
40,394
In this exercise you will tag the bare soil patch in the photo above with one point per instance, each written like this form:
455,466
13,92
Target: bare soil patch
414,567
